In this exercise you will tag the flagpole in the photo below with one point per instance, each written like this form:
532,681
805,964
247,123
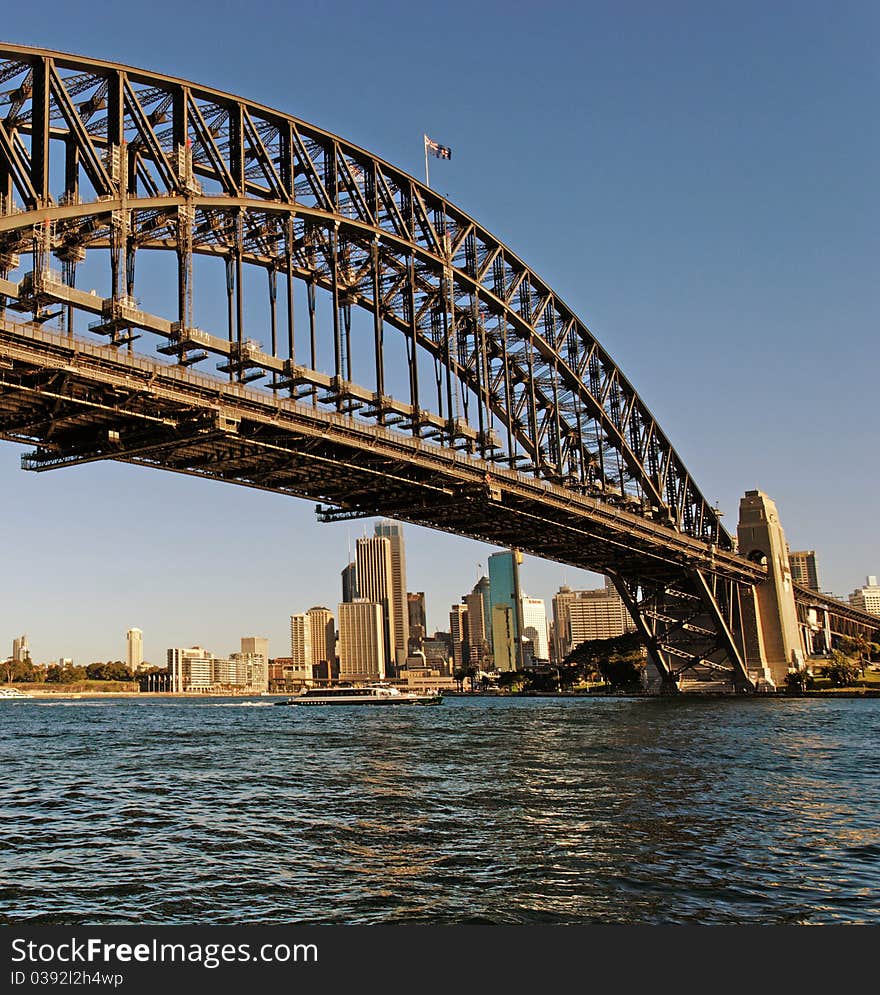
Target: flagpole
427,181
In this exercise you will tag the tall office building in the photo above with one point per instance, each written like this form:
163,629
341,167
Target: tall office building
602,617
255,646
415,604
504,597
134,639
484,588
375,575
803,568
506,652
458,628
867,598
479,649
361,641
350,583
20,651
301,646
393,532
534,626
323,635
591,614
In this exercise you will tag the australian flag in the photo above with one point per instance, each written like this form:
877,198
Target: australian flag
435,148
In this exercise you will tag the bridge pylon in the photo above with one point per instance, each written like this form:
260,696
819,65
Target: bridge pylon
771,638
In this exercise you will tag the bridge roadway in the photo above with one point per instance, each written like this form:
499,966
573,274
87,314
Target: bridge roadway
78,402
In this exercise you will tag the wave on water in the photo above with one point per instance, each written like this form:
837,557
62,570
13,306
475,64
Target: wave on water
239,704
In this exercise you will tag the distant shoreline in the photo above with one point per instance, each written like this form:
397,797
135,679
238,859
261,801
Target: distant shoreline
37,695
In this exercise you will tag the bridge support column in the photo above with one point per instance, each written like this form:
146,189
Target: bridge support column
769,617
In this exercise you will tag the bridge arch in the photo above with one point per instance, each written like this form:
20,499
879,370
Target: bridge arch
98,158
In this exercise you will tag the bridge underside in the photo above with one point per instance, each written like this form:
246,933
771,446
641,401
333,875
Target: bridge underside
75,403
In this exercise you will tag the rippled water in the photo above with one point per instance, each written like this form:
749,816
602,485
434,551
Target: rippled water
479,811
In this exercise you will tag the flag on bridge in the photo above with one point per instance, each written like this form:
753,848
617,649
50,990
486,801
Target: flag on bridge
438,150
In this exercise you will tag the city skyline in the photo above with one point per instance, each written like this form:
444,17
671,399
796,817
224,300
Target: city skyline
715,229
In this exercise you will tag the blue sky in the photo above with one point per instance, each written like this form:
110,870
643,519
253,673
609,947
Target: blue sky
697,180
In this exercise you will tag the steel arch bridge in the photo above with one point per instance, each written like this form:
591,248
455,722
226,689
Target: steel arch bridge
502,418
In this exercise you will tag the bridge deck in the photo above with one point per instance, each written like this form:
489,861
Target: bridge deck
79,402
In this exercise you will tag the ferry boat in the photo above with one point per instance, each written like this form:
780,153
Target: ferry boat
370,694
13,693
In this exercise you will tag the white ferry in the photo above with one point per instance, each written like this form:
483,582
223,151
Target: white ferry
13,693
371,694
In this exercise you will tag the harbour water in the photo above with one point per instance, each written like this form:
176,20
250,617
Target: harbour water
484,810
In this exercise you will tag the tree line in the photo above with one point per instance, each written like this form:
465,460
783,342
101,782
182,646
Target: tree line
25,672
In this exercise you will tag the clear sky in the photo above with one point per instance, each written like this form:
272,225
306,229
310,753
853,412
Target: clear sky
698,181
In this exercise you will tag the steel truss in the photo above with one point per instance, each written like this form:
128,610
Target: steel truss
98,160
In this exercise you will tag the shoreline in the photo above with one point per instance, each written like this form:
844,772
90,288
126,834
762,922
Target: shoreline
700,695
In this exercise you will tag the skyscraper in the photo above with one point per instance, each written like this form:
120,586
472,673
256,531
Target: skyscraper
135,650
393,532
323,635
504,596
484,587
301,646
415,604
361,641
478,641
867,598
590,614
458,627
505,651
375,575
534,626
350,583
804,570
255,646
20,651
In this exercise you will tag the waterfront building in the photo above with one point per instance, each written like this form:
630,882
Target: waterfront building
134,639
250,670
301,646
534,627
350,582
231,672
190,668
322,626
195,669
20,650
803,568
375,576
398,603
361,641
458,629
867,598
504,597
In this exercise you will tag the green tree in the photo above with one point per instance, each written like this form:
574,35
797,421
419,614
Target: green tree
620,660
798,680
509,679
842,670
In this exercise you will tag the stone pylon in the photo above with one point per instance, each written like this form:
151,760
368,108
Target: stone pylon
771,635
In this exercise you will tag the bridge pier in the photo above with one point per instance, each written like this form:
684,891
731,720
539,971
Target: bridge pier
771,635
